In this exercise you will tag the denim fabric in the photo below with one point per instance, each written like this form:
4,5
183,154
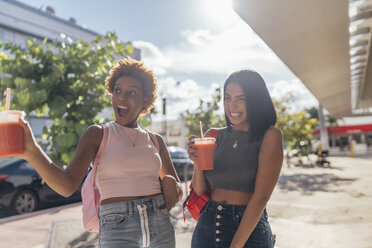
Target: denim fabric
138,223
218,223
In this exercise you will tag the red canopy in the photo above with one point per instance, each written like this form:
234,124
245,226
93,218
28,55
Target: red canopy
347,129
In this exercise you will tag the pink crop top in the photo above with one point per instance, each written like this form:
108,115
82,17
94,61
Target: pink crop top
126,170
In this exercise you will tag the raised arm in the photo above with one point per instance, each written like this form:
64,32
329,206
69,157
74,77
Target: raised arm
270,161
64,182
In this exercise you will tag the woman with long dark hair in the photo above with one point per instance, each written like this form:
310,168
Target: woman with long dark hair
247,164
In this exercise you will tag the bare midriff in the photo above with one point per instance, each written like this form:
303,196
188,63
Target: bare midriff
126,198
231,196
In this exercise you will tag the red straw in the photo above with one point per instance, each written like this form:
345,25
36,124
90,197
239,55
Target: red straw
201,129
7,101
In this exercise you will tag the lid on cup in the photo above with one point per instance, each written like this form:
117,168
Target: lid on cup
205,140
11,116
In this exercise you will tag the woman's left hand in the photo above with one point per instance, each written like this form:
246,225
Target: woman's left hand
170,191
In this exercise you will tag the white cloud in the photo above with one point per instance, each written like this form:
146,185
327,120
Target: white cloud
201,51
218,52
300,94
181,96
153,57
198,37
231,49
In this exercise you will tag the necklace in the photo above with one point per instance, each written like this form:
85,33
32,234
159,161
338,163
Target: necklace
135,139
235,145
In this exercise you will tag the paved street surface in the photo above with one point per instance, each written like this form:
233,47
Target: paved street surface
311,207
324,207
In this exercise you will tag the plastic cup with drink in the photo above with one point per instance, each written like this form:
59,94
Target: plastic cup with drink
11,131
205,151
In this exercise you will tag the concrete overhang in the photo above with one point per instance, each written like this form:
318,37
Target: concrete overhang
324,47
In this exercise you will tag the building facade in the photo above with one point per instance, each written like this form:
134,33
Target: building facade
174,132
341,138
19,22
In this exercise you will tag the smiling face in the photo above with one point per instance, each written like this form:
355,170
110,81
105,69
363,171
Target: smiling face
128,100
235,106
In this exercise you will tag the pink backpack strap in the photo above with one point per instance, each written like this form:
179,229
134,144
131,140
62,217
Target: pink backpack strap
101,148
154,140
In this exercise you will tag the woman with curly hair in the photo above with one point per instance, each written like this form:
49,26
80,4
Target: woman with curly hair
133,210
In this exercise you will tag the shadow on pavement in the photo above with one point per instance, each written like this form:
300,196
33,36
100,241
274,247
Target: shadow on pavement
312,166
307,184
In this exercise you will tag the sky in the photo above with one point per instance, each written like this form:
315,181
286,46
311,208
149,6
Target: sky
191,45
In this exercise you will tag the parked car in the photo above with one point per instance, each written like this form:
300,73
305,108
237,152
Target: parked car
22,190
182,162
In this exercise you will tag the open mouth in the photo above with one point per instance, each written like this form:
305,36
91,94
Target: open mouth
122,111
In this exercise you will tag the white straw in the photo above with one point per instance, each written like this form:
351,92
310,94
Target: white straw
201,129
7,101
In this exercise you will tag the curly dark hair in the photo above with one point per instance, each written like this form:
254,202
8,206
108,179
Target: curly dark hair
136,69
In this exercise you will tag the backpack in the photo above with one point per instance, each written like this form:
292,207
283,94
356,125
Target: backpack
90,195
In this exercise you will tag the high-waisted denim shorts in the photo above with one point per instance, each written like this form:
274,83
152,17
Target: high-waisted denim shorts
218,223
138,223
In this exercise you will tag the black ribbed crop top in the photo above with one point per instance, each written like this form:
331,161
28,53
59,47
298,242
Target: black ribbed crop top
234,168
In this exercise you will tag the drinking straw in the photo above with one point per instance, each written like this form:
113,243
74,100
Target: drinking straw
7,101
201,129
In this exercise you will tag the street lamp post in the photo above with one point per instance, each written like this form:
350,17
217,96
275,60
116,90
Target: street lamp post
165,119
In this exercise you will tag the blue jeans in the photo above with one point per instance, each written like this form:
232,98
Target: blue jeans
218,223
138,223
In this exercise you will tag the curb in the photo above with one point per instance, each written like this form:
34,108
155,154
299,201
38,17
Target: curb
36,213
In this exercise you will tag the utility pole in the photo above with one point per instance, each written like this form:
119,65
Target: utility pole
323,130
165,119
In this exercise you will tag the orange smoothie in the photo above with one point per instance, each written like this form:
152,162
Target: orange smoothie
205,152
11,133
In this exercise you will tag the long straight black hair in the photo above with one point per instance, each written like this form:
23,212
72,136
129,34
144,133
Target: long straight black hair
260,108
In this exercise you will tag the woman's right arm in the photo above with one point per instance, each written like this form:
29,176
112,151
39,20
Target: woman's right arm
64,182
199,183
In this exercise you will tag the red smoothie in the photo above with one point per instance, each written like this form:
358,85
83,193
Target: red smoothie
11,133
11,139
205,152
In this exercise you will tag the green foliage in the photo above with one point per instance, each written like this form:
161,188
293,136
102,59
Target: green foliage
296,127
312,112
144,122
206,113
64,79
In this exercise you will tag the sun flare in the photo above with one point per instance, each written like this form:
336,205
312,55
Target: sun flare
219,6
220,10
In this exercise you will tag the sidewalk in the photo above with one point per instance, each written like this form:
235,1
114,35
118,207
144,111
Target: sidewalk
324,207
62,227
310,207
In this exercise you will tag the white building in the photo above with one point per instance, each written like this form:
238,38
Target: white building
19,21
174,132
